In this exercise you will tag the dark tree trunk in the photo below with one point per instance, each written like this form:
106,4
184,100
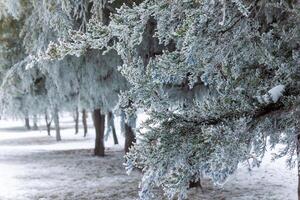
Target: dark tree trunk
48,124
84,116
99,123
110,119
35,126
196,184
56,124
27,125
49,129
127,129
76,120
129,137
115,135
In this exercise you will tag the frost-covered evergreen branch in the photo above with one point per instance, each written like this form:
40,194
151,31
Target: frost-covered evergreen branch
216,91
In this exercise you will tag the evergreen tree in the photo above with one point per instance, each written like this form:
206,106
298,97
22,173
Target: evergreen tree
237,64
219,79
91,81
101,70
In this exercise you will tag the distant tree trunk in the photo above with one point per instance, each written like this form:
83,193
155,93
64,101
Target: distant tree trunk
27,125
48,124
84,116
122,122
114,134
76,120
56,124
129,133
111,126
99,123
35,126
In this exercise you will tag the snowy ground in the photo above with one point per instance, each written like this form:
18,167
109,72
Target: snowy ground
34,166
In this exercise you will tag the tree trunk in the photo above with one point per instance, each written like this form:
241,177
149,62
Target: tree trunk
115,135
35,126
196,185
48,124
129,133
27,125
122,122
76,120
84,116
56,124
129,137
99,123
111,124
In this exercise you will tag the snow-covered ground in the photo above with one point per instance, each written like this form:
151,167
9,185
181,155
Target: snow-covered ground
34,166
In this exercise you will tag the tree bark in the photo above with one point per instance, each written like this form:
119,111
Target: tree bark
111,124
99,123
129,133
115,135
35,126
84,116
129,137
122,122
76,120
196,184
56,124
48,124
27,125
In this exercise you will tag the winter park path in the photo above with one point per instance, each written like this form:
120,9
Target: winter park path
34,167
